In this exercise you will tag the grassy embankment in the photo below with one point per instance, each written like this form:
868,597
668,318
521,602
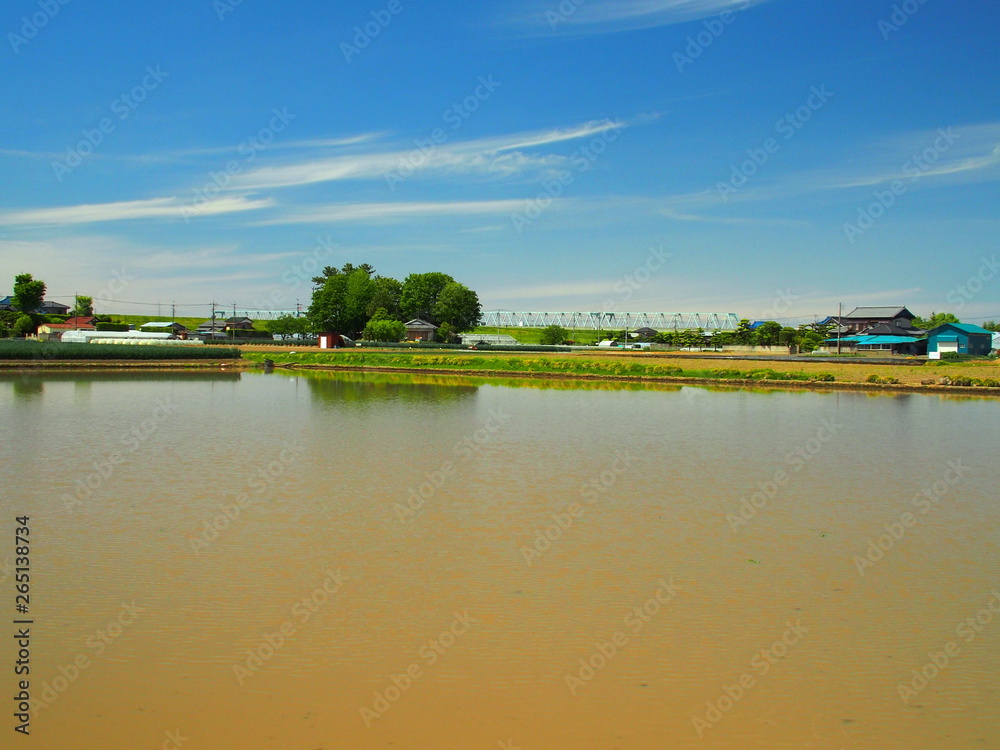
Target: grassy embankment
138,320
189,323
638,365
512,362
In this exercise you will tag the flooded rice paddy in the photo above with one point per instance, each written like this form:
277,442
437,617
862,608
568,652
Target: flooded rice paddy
351,561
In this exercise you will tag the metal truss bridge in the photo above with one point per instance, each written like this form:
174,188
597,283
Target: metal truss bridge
658,321
222,312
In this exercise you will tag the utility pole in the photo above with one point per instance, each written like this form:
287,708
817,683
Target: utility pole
173,313
840,310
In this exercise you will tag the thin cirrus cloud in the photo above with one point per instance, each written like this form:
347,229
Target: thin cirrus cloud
947,157
583,17
176,155
380,212
501,156
153,208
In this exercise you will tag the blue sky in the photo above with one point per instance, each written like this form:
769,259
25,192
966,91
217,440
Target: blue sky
766,157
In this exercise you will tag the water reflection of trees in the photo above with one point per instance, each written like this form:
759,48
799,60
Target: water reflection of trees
26,388
353,387
119,376
418,385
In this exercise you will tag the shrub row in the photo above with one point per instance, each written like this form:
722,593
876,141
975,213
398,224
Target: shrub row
276,342
767,374
882,379
960,357
57,351
966,382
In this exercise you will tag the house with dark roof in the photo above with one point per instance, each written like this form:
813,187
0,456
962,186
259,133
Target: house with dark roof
46,308
53,308
217,324
860,318
162,327
961,338
889,329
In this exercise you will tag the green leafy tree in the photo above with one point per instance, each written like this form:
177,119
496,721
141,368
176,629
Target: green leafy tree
8,318
446,334
340,303
386,295
689,338
936,319
553,335
360,288
768,333
458,306
744,334
384,330
24,326
824,330
420,294
991,325
347,269
809,337
28,293
288,325
720,338
326,311
84,306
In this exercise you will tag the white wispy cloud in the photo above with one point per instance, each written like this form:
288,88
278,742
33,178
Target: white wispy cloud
585,17
153,208
23,154
491,156
379,212
968,153
344,142
927,159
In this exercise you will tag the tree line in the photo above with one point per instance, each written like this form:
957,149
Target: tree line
807,337
29,293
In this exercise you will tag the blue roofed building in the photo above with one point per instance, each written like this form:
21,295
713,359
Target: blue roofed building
961,338
907,345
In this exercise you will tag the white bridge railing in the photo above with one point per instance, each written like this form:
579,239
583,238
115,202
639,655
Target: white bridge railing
659,321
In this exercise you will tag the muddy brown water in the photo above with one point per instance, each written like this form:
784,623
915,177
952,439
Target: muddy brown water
348,560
